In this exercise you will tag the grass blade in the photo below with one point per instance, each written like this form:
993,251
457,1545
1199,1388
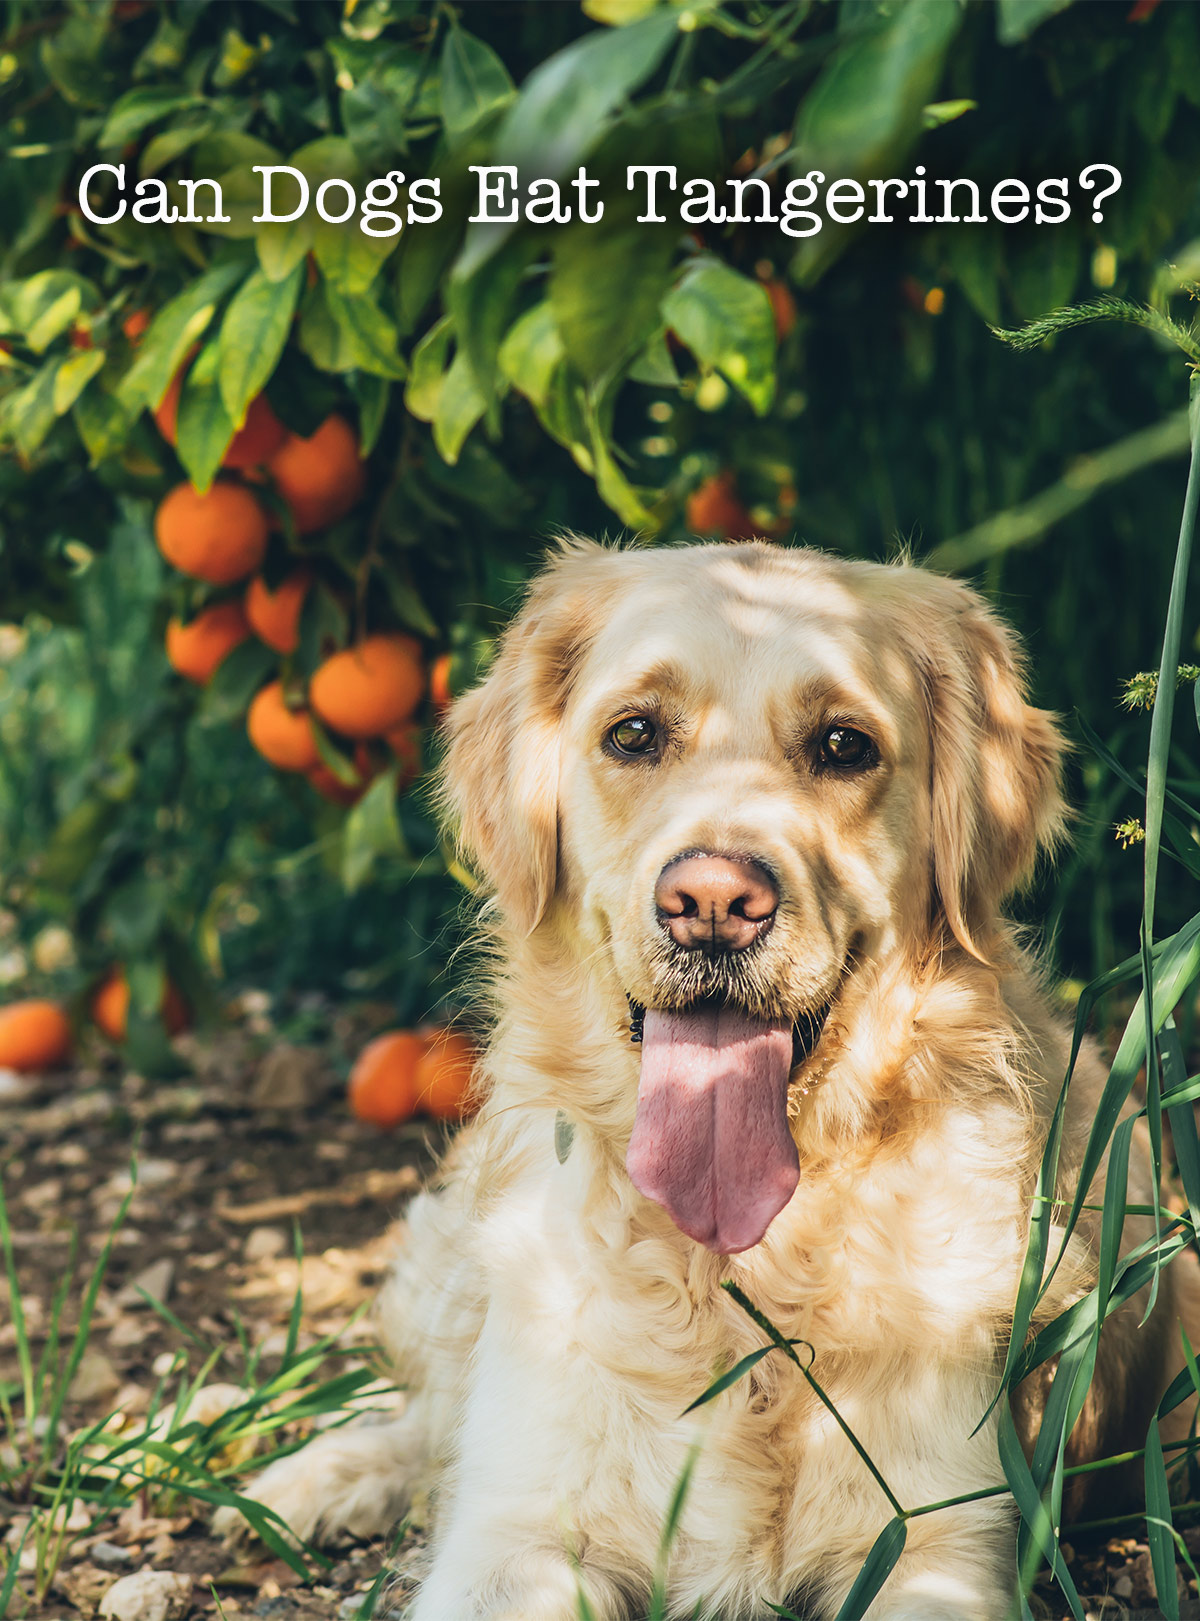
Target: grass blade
877,1567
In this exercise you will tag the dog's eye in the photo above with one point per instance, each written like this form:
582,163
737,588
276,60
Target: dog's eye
844,745
634,736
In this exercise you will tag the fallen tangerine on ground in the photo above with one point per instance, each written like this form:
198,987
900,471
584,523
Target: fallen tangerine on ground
367,690
713,508
35,1034
444,1075
383,1081
322,477
281,735
255,442
198,648
110,1007
220,536
275,615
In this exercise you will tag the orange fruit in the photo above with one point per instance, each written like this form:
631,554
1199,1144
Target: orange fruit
368,690
383,1080
322,477
135,324
439,682
199,647
281,735
330,787
275,615
713,508
110,1007
405,743
783,307
34,1034
258,438
219,537
444,1074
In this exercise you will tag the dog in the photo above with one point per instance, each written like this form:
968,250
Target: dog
759,806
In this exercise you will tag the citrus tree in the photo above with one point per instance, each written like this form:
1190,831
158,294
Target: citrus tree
280,482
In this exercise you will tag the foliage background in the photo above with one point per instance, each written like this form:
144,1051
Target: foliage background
502,397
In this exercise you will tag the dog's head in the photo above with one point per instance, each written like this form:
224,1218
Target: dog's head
729,776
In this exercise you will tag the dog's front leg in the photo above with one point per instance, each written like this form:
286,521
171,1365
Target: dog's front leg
530,1583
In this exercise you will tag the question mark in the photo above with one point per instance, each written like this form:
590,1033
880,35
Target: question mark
1089,185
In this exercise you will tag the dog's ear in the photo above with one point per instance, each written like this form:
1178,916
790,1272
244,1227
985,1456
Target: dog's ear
996,769
500,778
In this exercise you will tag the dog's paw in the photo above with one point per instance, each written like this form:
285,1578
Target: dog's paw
348,1482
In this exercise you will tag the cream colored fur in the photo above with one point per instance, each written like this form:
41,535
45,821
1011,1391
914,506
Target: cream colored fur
550,1323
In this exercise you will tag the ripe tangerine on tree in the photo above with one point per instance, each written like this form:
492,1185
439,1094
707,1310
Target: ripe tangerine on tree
198,648
365,691
219,537
444,1075
322,477
281,735
258,438
440,691
275,615
383,1081
35,1034
110,1007
713,508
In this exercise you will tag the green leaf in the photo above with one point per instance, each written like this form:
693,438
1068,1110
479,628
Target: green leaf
31,411
606,287
176,327
565,105
864,112
138,108
74,375
1017,19
102,423
253,334
429,360
459,407
474,81
877,1567
205,427
372,830
172,144
238,677
1159,1531
370,335
531,353
725,319
43,306
482,303
372,394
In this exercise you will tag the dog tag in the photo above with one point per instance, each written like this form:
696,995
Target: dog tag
564,1136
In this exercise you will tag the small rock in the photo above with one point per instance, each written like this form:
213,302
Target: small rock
148,1595
94,1377
1123,1587
151,1173
111,1556
290,1077
265,1243
16,1088
156,1279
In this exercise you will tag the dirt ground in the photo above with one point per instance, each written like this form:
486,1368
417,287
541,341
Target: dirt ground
255,1137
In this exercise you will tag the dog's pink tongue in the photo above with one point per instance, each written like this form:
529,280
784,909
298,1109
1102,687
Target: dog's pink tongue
711,1142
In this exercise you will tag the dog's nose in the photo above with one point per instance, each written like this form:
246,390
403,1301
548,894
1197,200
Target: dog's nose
715,902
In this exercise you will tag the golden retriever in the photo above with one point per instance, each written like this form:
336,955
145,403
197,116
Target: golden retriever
759,806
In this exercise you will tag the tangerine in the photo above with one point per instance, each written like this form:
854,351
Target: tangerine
35,1034
198,648
783,307
258,438
282,735
219,537
405,743
110,1007
439,682
444,1075
713,508
368,690
322,477
275,615
134,325
383,1081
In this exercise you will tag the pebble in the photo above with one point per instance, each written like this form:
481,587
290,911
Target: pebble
110,1555
290,1077
148,1595
265,1243
156,1279
94,1377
